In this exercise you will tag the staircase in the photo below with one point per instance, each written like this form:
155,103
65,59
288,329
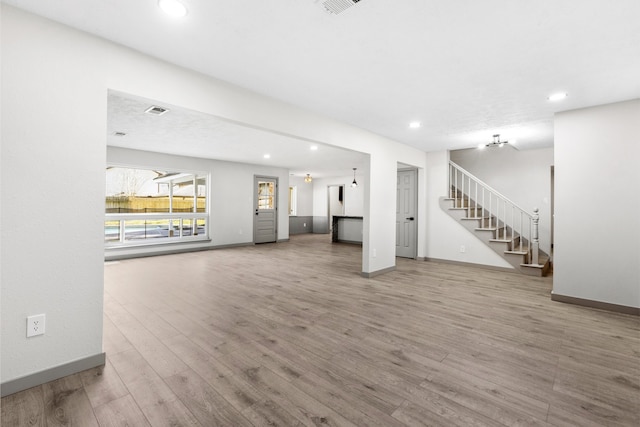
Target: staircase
502,225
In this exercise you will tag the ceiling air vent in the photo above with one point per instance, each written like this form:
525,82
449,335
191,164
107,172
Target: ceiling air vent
155,110
338,6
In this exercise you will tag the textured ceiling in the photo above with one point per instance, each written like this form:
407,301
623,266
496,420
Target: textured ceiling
466,69
191,133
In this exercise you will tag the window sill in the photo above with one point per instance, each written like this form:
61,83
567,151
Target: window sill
148,244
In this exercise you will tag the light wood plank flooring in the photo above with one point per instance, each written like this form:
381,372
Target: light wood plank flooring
289,334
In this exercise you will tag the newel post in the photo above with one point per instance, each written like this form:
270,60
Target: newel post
536,241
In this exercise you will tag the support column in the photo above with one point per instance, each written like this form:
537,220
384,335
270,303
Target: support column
379,224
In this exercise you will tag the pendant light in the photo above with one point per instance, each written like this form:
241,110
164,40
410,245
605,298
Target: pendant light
308,178
354,183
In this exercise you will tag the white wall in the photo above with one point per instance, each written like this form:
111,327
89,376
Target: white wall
522,176
445,235
353,197
54,94
597,221
304,195
230,194
53,158
422,211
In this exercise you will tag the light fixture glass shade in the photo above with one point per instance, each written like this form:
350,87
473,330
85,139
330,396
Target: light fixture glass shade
308,178
173,8
557,96
354,183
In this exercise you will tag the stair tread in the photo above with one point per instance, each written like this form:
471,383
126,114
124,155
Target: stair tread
516,252
488,223
532,265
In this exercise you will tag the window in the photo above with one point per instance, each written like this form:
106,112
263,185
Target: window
266,195
144,206
293,202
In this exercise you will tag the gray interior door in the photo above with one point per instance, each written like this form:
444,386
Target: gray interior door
265,223
406,211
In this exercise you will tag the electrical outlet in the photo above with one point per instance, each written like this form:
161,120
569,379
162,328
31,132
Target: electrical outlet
374,253
463,249
35,325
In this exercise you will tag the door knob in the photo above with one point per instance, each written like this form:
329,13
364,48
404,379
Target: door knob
410,218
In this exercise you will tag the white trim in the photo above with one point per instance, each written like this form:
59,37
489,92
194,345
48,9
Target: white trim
179,216
154,215
51,374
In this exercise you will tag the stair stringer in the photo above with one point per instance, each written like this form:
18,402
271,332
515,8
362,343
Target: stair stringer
518,261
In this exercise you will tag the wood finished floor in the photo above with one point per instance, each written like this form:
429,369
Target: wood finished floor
289,334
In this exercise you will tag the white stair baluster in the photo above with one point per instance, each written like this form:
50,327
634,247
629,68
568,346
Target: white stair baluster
475,207
483,209
536,243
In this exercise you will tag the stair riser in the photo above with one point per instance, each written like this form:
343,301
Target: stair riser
472,224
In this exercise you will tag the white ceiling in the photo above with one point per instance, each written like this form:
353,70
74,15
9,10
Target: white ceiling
191,133
466,69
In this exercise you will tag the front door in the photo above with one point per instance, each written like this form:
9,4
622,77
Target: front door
266,216
406,214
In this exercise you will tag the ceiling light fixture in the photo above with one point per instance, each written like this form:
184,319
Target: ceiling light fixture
557,96
308,178
267,156
496,142
354,184
415,125
313,147
173,8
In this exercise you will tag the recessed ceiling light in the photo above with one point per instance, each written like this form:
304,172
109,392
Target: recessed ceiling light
313,147
267,156
415,125
557,96
173,8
